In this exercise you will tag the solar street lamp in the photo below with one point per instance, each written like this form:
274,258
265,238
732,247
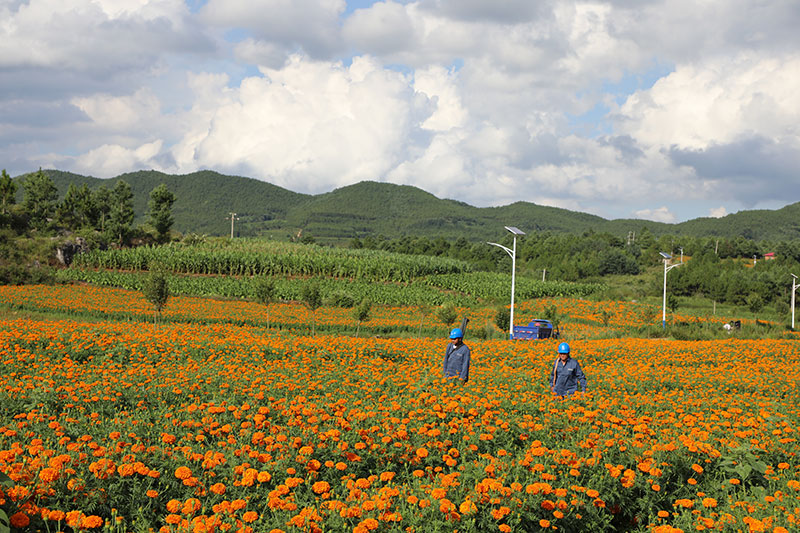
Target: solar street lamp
667,258
513,253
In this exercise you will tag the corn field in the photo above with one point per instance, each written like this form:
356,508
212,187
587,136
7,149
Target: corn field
250,257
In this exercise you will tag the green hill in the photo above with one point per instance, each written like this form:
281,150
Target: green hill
205,199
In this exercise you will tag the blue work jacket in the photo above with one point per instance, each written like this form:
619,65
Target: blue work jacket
567,377
456,362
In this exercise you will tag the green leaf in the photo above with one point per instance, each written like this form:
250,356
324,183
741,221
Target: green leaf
5,523
6,481
759,467
743,471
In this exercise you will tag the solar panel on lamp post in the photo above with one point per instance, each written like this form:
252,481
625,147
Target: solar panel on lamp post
512,252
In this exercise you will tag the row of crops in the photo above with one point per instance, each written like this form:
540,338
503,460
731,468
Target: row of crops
286,289
249,257
462,290
494,286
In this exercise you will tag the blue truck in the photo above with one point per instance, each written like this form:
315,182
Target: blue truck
536,329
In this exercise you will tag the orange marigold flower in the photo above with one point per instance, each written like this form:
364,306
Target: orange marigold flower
91,522
250,517
321,487
709,502
697,468
173,519
174,505
544,523
152,493
467,507
370,524
183,472
217,488
505,528
20,520
56,516
48,475
422,453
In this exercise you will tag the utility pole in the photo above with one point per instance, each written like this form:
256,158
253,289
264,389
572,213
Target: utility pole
544,271
233,217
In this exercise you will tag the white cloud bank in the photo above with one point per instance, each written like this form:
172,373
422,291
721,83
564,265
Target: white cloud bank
484,102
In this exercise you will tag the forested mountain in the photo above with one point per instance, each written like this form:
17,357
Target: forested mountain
205,199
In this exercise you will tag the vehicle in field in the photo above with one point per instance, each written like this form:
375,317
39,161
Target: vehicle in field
538,328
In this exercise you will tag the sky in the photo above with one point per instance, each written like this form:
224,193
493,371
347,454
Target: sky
665,110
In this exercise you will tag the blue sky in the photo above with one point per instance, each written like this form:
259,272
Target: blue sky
656,110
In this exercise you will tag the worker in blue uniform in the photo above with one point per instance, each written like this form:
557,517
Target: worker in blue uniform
456,357
566,374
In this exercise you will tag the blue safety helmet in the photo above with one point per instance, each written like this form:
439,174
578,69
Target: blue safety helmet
563,348
456,333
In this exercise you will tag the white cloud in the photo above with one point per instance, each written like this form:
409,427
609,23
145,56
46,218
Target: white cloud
121,112
309,126
661,214
498,101
94,36
716,101
718,212
111,160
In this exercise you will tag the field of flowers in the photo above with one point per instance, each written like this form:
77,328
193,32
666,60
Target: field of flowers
580,318
225,426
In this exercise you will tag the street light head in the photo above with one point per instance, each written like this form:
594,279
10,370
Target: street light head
665,255
795,277
515,230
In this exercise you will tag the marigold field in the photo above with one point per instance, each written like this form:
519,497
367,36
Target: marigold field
125,425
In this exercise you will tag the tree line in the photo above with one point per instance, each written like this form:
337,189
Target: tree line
107,212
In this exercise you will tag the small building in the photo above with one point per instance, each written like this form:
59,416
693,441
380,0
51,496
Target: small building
769,256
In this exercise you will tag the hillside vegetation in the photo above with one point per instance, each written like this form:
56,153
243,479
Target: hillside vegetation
205,200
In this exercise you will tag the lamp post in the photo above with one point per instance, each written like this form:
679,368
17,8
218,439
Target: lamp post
794,288
666,257
513,253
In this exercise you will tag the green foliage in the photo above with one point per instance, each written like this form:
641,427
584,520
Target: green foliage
286,288
204,199
39,200
361,314
264,289
121,214
502,318
755,303
101,199
262,257
492,286
551,313
156,290
672,302
312,298
340,299
446,314
160,210
8,191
